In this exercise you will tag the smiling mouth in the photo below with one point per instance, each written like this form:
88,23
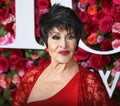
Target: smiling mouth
64,53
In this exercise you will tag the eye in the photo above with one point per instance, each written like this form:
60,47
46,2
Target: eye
55,37
70,37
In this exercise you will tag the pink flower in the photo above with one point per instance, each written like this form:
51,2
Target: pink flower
3,40
106,24
29,64
100,39
16,79
8,20
4,64
117,63
116,1
116,43
11,38
101,60
115,70
84,64
116,67
82,6
7,39
34,56
3,83
116,27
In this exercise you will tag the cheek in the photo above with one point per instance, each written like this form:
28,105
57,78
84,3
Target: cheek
73,46
52,48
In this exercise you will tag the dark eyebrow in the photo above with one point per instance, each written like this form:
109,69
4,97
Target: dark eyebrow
70,32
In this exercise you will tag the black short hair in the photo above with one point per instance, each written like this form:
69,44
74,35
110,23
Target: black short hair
60,17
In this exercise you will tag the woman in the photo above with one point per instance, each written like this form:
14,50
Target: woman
61,82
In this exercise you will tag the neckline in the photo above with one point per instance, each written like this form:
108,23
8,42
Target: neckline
72,79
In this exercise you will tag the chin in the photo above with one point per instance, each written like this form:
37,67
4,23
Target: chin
64,61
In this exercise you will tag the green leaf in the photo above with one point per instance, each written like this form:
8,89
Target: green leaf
7,54
2,31
6,94
12,73
1,100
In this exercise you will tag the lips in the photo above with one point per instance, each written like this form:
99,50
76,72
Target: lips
64,52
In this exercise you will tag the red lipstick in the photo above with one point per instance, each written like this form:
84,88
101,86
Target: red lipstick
64,52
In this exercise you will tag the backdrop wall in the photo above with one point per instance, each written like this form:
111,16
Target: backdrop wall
21,46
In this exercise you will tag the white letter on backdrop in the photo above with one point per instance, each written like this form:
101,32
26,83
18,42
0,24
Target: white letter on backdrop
105,77
25,32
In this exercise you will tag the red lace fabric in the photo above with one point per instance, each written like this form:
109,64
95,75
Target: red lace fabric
91,91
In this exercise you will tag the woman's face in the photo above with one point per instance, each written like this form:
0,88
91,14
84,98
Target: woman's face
61,45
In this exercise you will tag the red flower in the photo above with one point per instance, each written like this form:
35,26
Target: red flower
17,52
91,27
100,14
116,35
4,64
98,62
81,55
106,45
106,3
4,13
42,61
17,62
43,3
92,39
92,9
91,2
8,27
1,89
106,24
83,16
12,6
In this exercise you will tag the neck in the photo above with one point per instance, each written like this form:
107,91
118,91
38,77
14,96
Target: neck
62,67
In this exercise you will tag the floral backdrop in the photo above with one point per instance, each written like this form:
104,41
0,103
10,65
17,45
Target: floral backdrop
101,32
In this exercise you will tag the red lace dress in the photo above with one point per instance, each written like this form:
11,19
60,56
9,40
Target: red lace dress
85,89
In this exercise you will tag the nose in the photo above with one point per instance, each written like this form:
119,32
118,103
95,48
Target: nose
63,43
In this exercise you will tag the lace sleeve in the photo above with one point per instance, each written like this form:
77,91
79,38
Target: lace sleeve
25,86
97,93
